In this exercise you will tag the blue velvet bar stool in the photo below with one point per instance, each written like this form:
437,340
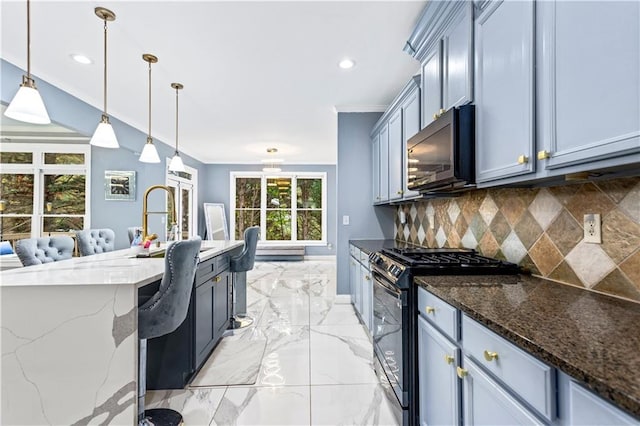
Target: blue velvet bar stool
36,251
162,314
239,265
94,241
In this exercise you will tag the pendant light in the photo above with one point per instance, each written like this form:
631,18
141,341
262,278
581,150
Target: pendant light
273,164
27,104
104,136
149,152
176,164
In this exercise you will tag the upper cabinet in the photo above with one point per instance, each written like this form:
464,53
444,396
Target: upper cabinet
389,139
557,89
504,61
590,81
443,43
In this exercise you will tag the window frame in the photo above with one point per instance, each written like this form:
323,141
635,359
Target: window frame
294,176
39,169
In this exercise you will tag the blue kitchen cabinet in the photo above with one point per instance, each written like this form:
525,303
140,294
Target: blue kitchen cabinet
410,126
589,81
375,178
446,56
504,84
384,164
366,287
395,155
438,384
431,85
354,281
485,402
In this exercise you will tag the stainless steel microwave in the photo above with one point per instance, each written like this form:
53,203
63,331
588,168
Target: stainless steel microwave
441,157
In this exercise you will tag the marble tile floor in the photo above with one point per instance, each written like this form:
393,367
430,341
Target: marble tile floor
318,363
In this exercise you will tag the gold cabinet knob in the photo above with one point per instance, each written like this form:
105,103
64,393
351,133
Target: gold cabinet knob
367,277
441,112
399,192
461,372
543,155
435,116
449,359
523,159
490,356
217,279
430,309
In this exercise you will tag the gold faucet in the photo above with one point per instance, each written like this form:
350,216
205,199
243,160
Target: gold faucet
145,213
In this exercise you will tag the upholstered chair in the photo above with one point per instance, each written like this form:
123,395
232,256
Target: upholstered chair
36,251
94,241
162,314
239,265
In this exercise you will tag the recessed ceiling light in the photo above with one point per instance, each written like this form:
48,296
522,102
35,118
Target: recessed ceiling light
346,64
81,59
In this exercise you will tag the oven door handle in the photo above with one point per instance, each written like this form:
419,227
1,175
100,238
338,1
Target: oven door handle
381,282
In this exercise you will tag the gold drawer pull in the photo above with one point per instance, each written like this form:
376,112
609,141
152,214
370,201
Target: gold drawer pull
449,359
430,310
217,279
543,155
441,112
523,159
367,277
461,372
490,356
399,192
435,116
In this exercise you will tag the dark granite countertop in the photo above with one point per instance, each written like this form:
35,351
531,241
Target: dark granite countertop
591,337
370,246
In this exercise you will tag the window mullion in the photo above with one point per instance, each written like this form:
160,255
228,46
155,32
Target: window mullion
263,207
294,208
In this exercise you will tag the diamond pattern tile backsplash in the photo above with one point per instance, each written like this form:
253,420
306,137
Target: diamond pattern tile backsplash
541,229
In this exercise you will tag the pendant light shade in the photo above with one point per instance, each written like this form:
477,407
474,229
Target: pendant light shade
176,164
149,153
104,136
27,104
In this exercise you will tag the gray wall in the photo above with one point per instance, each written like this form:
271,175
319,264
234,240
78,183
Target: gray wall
77,115
216,185
354,173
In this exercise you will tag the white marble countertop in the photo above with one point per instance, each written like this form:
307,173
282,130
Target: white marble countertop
120,267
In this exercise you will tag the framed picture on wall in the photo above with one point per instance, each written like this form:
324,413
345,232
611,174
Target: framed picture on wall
119,185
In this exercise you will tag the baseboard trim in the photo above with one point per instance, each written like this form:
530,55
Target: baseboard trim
329,257
343,298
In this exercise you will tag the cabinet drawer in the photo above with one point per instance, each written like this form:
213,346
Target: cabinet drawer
589,409
222,264
439,313
529,378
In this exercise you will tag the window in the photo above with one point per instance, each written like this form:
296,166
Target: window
44,189
287,207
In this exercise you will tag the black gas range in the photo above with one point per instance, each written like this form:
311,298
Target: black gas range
395,310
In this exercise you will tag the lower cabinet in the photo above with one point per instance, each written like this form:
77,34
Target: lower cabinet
173,359
477,377
361,286
485,402
437,379
366,287
211,314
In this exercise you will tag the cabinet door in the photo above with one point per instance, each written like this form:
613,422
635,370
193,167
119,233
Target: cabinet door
586,408
384,163
438,384
505,142
485,402
204,331
221,304
590,80
376,168
353,279
457,60
367,296
395,155
410,126
431,85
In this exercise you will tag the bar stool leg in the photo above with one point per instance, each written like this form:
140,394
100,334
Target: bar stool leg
239,318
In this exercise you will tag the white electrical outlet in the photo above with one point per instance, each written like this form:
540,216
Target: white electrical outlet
592,228
345,220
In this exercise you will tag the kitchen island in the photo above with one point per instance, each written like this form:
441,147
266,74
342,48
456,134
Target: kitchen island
69,337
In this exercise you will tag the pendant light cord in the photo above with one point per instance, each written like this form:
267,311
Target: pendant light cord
105,67
149,100
177,119
28,39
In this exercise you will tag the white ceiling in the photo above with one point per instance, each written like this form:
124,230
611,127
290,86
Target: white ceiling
256,74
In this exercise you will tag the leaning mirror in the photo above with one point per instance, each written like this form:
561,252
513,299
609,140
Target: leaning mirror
216,221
